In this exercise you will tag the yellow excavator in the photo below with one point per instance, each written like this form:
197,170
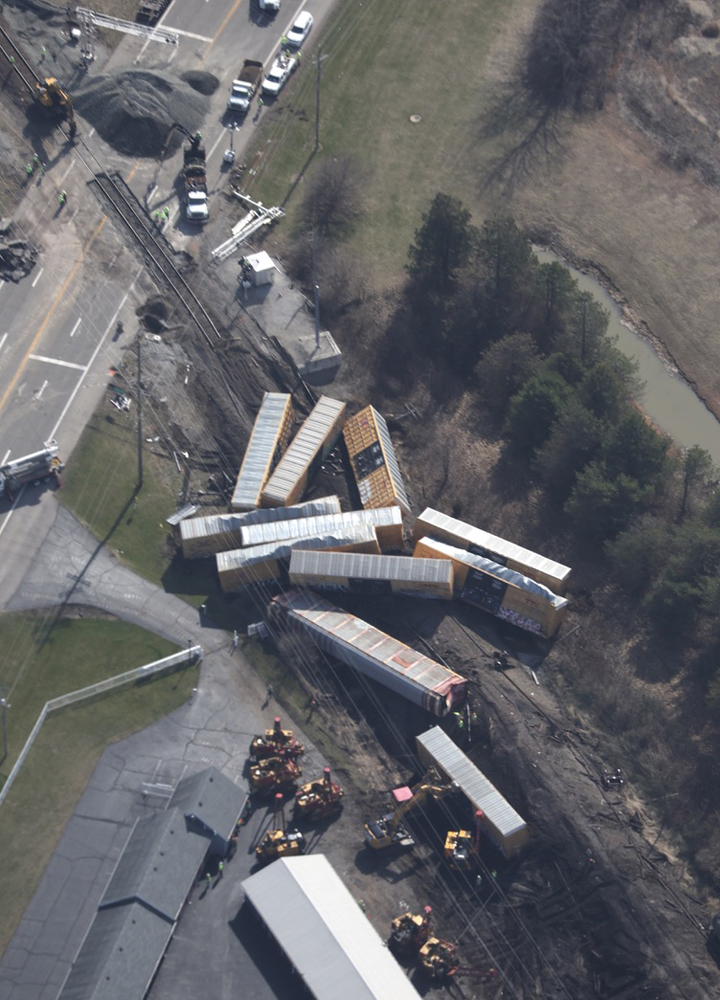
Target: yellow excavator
279,842
55,101
388,831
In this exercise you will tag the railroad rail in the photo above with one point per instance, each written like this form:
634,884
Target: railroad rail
13,60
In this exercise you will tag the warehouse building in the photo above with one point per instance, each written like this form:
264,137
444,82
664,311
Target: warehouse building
434,524
161,862
308,450
500,591
317,924
387,522
505,827
268,440
363,647
368,574
265,563
205,536
373,461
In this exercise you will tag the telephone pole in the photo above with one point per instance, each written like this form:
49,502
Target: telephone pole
139,409
4,707
318,63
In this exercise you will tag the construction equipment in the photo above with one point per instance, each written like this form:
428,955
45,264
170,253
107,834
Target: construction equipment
409,932
437,959
279,842
276,742
146,31
244,86
38,467
55,101
274,774
388,831
195,175
318,799
462,847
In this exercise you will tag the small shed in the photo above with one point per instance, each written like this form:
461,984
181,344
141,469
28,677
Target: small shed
260,269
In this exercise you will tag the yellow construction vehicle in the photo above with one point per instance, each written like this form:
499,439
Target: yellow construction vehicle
275,740
409,932
279,842
318,799
437,959
274,774
56,101
388,831
462,847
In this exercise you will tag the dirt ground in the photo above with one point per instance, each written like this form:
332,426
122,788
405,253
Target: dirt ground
598,906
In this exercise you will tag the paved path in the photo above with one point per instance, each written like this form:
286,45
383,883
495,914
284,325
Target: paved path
214,727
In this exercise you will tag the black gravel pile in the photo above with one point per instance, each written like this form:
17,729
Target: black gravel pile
134,110
198,79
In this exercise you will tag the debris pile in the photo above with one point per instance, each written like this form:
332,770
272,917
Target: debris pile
204,83
134,110
17,258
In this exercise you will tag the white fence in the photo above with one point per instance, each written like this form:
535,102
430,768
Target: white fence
156,669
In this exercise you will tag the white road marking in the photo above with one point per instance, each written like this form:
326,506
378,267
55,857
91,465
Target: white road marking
41,390
67,171
74,329
57,361
7,456
10,513
2,340
189,34
174,53
37,277
91,132
73,394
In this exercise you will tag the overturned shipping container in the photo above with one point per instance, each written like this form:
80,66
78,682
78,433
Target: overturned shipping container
506,827
434,524
501,591
366,574
373,461
371,652
387,522
268,439
308,450
263,563
206,536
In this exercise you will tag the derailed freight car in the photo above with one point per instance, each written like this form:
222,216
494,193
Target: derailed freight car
504,825
434,524
387,522
375,654
265,563
373,461
366,574
501,591
308,450
213,533
268,440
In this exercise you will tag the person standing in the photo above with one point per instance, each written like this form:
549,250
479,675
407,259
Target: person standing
235,641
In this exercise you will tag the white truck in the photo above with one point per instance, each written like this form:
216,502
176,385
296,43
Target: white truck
279,74
271,6
35,468
194,172
244,87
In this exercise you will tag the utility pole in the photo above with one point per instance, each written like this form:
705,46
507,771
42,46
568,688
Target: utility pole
4,708
139,409
318,63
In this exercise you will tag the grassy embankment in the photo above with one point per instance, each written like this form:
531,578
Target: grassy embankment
41,660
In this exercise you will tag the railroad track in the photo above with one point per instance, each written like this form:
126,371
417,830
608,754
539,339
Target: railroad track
14,55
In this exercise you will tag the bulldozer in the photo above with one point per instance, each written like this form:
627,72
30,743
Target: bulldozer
462,847
55,101
388,831
279,842
318,799
274,774
274,741
409,932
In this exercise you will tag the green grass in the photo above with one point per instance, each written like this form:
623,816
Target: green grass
40,663
386,62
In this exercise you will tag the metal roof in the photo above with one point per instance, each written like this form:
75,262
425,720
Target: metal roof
510,576
279,531
212,525
371,449
320,927
472,782
360,566
322,424
477,537
273,416
254,554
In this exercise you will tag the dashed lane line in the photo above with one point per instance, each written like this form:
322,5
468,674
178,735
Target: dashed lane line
57,361
37,277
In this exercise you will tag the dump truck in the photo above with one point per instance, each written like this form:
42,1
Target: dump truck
195,174
245,86
39,467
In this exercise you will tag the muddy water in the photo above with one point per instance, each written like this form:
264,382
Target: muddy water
668,400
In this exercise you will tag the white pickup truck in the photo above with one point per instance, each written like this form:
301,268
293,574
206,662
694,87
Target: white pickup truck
279,74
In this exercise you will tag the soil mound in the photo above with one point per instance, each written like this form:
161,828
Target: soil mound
204,83
134,110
